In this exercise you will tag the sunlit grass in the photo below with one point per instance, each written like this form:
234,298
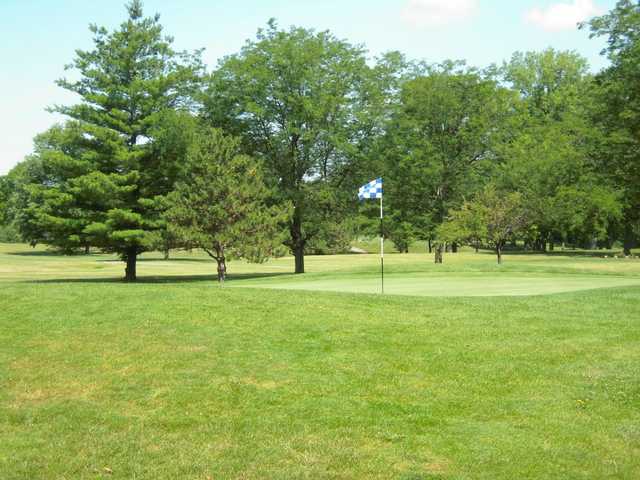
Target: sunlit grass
176,377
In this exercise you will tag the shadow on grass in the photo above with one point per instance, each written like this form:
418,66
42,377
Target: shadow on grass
51,253
147,260
557,253
113,258
160,279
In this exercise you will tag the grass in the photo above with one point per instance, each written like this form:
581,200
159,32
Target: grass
437,286
177,378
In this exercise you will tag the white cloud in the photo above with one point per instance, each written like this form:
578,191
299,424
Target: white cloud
562,16
437,13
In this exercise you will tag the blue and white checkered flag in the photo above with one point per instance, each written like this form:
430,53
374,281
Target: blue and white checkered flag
373,189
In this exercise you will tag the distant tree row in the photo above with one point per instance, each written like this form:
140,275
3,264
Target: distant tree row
265,153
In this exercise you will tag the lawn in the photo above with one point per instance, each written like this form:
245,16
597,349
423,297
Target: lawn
175,377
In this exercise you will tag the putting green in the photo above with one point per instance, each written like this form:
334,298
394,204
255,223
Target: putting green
444,285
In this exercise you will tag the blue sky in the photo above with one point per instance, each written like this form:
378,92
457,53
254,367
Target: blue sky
38,37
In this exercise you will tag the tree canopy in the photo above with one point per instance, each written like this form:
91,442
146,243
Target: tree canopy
300,101
492,217
439,145
271,146
221,203
617,110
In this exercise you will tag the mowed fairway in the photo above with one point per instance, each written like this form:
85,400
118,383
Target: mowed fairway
175,377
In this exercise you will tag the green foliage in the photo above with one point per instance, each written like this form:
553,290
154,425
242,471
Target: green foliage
438,145
9,234
550,82
586,210
492,217
332,237
95,180
220,203
401,233
5,192
549,156
305,102
8,231
322,119
617,109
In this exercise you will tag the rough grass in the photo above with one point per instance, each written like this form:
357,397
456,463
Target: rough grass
177,378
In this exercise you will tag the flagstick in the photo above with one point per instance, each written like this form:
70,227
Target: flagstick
381,246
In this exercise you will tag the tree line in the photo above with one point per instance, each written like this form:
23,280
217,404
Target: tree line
263,155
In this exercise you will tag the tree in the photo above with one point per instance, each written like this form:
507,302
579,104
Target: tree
544,163
174,134
550,153
401,233
439,144
585,211
552,83
221,204
492,217
299,101
96,179
617,112
5,193
8,232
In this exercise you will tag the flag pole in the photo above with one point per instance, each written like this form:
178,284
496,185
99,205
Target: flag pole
381,245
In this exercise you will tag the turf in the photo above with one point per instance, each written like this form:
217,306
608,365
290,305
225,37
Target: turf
177,378
464,274
457,285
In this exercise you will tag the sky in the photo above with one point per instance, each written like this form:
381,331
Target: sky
39,37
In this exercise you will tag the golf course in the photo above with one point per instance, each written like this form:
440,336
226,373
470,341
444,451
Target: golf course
337,240
463,370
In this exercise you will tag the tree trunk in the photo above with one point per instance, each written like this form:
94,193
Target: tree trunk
297,240
87,249
166,254
438,254
429,246
499,253
222,269
131,257
629,240
454,247
298,252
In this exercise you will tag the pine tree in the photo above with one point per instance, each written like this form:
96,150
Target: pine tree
221,204
99,176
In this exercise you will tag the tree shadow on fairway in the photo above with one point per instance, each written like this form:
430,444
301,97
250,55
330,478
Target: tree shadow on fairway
148,260
52,253
556,253
161,279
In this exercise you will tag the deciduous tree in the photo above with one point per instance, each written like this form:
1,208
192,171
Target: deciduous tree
618,109
550,153
298,99
492,217
439,145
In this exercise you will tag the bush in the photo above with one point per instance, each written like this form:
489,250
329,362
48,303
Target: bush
9,234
